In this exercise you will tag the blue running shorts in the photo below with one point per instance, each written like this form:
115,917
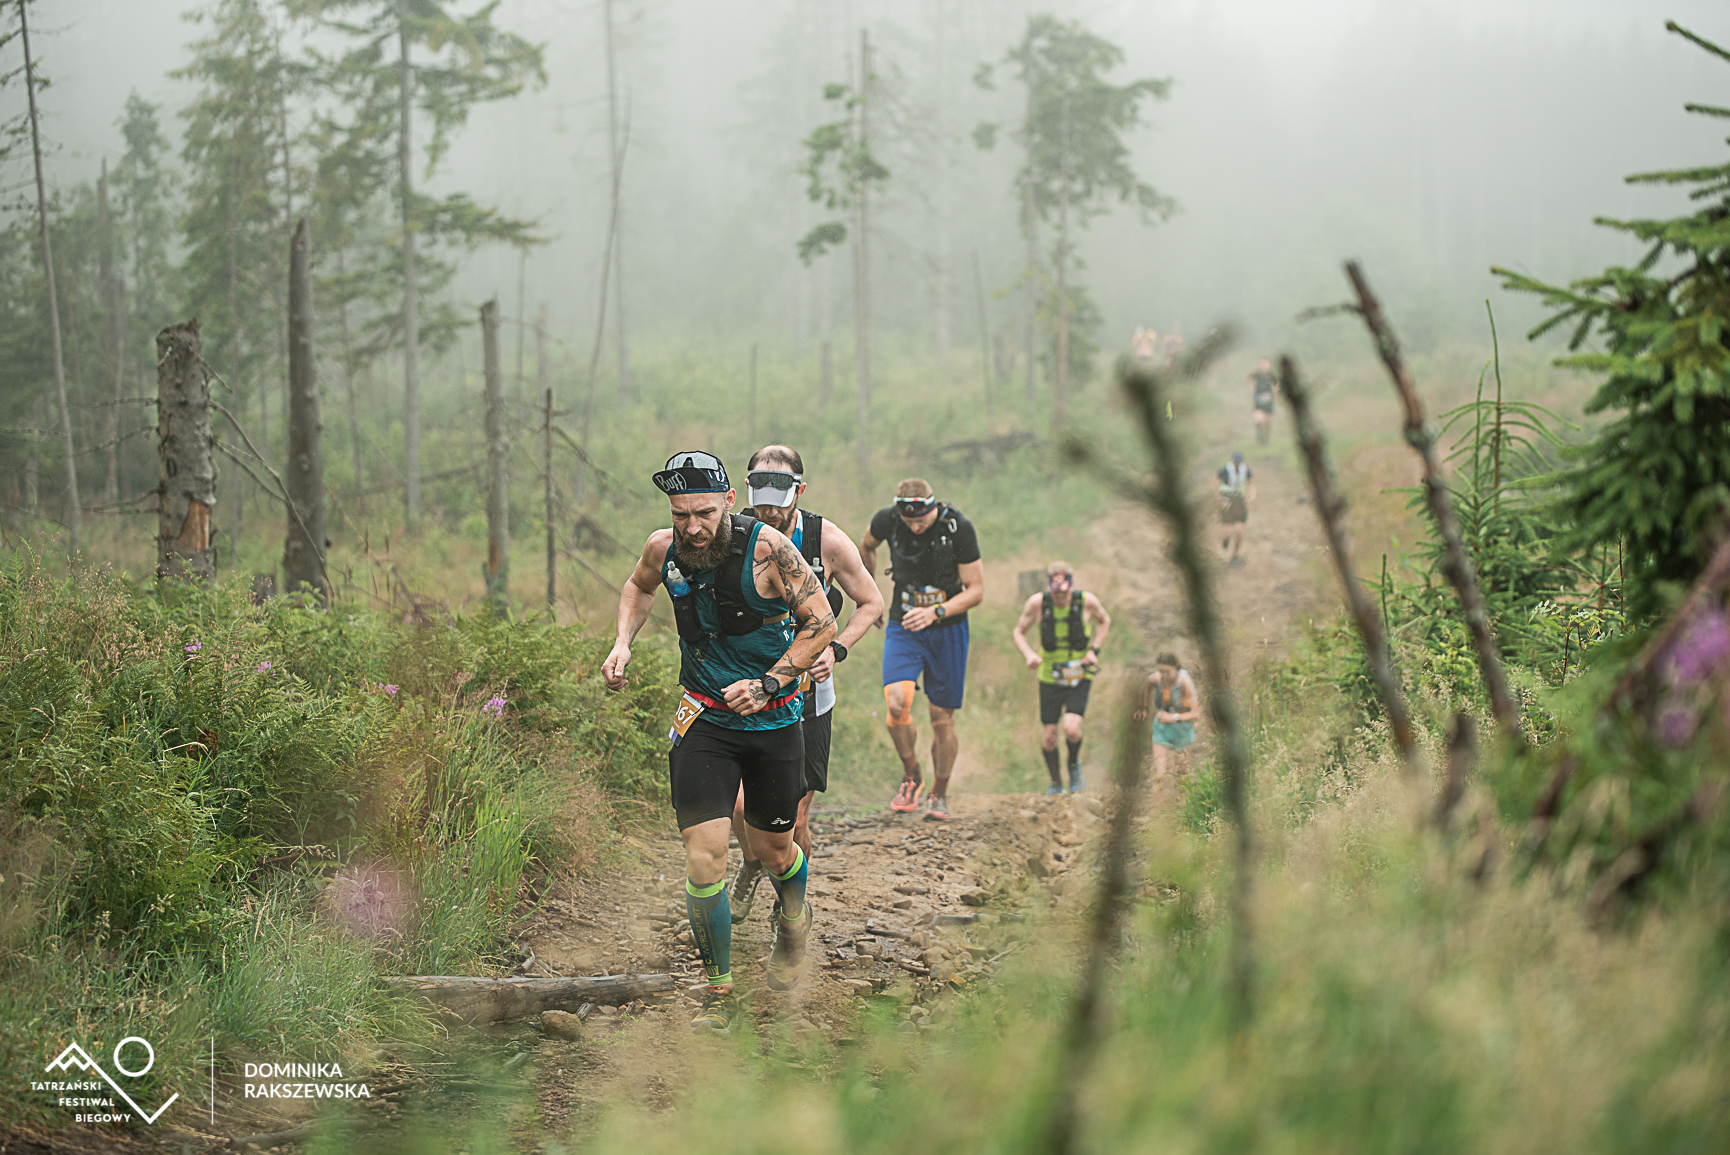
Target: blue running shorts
935,657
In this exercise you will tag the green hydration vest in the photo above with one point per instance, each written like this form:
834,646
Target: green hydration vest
1063,637
712,656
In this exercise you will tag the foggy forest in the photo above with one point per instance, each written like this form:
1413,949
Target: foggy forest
464,465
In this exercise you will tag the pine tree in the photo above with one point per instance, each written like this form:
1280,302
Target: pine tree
1656,477
1076,166
239,195
463,60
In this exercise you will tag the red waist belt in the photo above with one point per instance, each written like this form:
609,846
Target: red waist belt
721,705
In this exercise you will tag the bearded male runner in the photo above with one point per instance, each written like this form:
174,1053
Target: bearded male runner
773,486
752,619
1066,660
934,555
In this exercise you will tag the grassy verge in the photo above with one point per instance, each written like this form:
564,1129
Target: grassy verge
220,817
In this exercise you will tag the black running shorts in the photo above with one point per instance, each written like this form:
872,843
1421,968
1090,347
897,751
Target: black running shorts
1055,701
817,732
708,766
1233,511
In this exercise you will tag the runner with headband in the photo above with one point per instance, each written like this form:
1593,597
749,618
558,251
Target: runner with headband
934,559
774,485
752,621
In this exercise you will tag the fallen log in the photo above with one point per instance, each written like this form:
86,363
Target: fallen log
481,1000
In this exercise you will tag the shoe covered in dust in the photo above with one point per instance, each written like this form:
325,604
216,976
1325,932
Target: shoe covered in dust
744,887
1076,784
1236,562
788,953
1054,789
937,809
716,1017
906,799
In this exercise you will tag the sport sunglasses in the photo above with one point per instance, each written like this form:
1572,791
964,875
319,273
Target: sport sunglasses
915,506
772,479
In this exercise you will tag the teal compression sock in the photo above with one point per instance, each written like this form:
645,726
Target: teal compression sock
712,927
791,886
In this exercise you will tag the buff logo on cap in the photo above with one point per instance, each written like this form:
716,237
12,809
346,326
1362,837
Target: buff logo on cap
692,472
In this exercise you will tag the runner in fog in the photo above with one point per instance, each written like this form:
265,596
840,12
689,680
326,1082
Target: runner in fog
1236,491
747,635
1169,693
1173,348
1142,343
934,559
1264,387
773,486
1066,660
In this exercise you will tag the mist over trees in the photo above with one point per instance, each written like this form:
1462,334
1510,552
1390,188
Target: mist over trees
255,111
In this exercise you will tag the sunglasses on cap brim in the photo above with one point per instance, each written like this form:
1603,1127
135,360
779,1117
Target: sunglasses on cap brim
772,479
915,506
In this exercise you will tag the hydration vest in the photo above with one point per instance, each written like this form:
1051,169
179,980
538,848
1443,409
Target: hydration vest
734,615
1076,639
811,546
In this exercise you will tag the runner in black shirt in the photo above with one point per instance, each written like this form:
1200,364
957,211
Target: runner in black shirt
934,556
1265,387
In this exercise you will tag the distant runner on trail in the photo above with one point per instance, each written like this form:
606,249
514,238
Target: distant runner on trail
1236,491
1066,660
934,559
752,621
773,486
1169,694
1264,387
1142,343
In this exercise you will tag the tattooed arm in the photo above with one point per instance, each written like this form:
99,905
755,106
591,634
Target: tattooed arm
781,572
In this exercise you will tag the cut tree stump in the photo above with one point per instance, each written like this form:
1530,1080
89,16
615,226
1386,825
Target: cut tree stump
479,1000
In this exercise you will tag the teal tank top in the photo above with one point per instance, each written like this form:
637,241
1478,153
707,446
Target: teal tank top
708,667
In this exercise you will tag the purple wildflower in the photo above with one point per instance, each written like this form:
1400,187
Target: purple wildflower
1702,647
1677,722
494,708
195,647
263,667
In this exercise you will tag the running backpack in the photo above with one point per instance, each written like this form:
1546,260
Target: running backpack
811,545
731,610
1077,623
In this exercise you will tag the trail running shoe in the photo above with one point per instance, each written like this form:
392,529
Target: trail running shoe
1076,785
906,799
716,1016
788,953
936,810
1236,561
744,887
1054,789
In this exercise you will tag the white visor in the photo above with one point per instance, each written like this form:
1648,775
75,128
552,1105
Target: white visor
770,495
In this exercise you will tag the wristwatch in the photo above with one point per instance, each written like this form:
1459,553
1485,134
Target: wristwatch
940,610
840,651
771,685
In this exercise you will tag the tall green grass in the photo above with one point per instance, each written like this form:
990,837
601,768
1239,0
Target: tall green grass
224,818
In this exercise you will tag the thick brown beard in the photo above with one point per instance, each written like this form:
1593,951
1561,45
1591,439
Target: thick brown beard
693,558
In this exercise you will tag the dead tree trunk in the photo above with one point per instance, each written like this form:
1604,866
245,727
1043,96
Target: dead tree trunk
862,275
410,290
73,510
826,385
186,487
547,479
114,302
498,564
984,331
303,554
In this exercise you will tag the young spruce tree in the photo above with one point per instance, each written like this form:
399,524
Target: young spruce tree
1656,478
